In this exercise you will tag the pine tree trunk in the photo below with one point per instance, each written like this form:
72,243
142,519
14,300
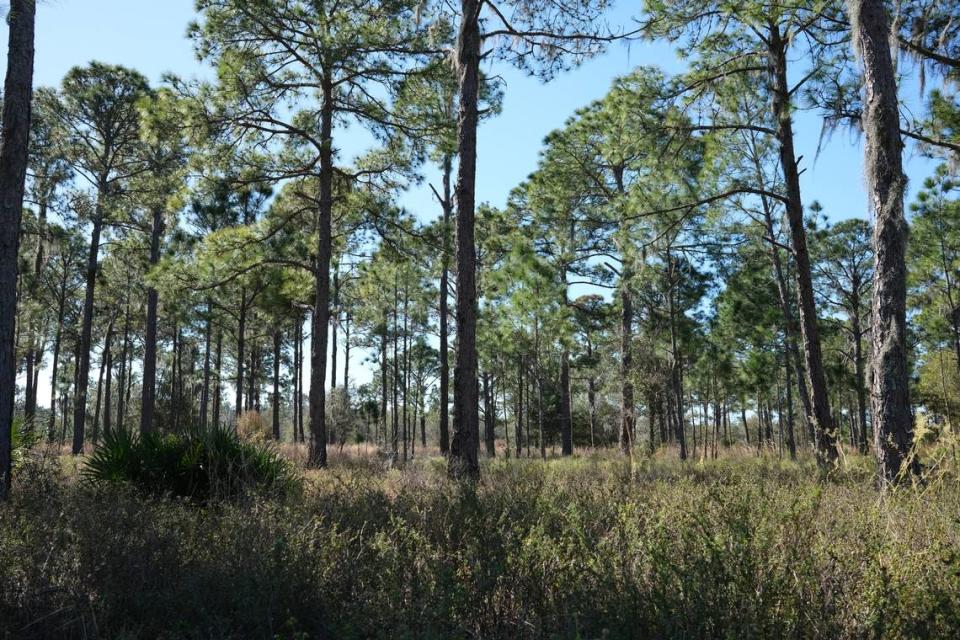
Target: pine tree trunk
383,376
55,365
218,380
241,347
17,93
205,389
890,393
489,419
463,449
444,313
295,401
520,408
321,306
334,321
121,405
148,394
104,359
276,385
626,368
86,328
816,379
395,423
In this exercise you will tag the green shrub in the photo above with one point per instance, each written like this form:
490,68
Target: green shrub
201,465
749,548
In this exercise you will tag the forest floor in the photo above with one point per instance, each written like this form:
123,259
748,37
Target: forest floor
743,546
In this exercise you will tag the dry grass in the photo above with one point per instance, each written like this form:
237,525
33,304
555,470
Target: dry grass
743,546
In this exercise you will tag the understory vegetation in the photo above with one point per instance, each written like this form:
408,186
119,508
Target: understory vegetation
736,547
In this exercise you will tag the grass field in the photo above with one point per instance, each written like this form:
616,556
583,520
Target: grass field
732,548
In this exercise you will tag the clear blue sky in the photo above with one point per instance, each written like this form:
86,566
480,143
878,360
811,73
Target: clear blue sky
149,35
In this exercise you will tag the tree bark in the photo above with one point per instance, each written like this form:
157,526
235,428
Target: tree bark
463,449
104,359
489,417
124,353
215,418
444,313
822,419
55,365
321,306
520,408
86,329
383,375
205,389
626,368
890,392
17,95
276,385
241,347
148,394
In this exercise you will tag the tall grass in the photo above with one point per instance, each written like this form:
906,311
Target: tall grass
736,548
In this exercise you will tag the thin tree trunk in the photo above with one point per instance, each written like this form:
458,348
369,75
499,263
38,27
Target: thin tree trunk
395,423
104,359
276,385
215,419
334,321
205,389
489,419
241,347
57,342
295,386
86,328
444,312
520,408
121,406
383,376
148,395
816,379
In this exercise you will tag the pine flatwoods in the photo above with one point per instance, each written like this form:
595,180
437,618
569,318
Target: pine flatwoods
277,358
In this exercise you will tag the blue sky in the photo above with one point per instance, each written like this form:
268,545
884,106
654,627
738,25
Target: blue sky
149,35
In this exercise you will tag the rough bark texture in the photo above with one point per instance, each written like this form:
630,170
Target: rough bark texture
463,449
321,305
816,379
890,390
17,94
148,393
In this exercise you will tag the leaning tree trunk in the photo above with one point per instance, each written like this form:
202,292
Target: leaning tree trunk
17,93
890,392
148,395
466,428
816,379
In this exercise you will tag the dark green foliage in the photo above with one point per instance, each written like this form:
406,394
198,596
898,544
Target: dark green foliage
201,465
746,548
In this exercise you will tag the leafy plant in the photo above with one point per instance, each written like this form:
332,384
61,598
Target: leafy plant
200,465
